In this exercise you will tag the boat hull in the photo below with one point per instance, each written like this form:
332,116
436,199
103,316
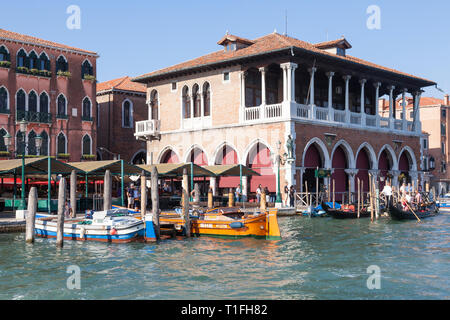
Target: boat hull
397,214
341,214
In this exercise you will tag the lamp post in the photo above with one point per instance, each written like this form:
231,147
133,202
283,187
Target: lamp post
279,160
8,142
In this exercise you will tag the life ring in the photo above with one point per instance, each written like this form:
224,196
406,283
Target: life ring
113,231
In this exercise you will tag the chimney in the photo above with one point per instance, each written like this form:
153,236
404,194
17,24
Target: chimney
446,100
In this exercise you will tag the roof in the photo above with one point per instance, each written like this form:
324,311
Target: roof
123,83
333,43
233,38
14,36
424,102
176,169
34,167
269,43
99,167
232,170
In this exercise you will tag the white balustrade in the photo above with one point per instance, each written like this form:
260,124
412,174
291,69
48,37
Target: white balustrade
303,111
371,121
339,116
384,122
147,128
321,114
273,111
398,124
355,118
252,113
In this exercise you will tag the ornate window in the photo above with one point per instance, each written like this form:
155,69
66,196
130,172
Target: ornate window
22,59
197,101
4,103
44,62
21,100
2,140
87,145
154,104
4,54
33,60
45,143
186,103
43,103
20,146
86,69
61,64
206,99
61,144
62,104
127,114
32,101
32,150
87,109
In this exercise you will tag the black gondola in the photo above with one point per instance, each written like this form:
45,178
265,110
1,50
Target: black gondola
341,214
398,214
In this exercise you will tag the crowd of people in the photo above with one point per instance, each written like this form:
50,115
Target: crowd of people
408,196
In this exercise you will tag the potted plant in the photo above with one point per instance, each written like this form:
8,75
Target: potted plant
66,74
89,156
89,77
63,156
23,70
45,73
5,64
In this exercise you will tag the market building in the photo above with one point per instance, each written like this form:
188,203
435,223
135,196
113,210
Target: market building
279,102
120,104
52,87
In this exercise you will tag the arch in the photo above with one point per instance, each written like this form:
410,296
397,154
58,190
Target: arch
87,108
370,153
410,156
86,69
127,113
44,61
392,157
32,149
348,152
62,64
323,152
61,143
206,89
168,155
5,49
21,58
186,102
140,157
252,145
364,162
33,60
225,154
33,101
21,100
197,155
154,104
45,144
61,103
44,102
3,147
197,101
4,53
86,144
20,138
340,162
258,158
4,98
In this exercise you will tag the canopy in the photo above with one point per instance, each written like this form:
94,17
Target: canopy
231,170
98,168
35,167
176,169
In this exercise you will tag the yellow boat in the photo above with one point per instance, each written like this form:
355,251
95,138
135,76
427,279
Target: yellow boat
229,223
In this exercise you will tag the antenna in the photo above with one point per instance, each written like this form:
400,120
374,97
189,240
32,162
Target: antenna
286,23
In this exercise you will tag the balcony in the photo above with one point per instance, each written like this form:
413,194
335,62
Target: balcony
147,129
324,115
34,117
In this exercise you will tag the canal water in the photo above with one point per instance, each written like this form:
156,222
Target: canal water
320,258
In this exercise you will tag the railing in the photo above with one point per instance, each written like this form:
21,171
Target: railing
355,118
384,122
371,121
62,116
303,111
87,118
398,124
36,117
273,111
252,113
147,128
322,114
5,111
339,116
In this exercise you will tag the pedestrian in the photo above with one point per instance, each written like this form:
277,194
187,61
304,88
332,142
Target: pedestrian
292,197
266,191
258,194
286,195
67,210
136,196
238,193
130,196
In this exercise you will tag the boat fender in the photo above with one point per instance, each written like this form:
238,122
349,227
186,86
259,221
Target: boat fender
113,231
82,232
236,225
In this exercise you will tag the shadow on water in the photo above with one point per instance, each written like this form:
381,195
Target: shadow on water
320,258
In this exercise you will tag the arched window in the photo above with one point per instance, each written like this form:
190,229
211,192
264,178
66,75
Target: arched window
43,103
154,104
44,62
4,54
186,103
127,114
86,69
86,109
4,103
22,59
62,103
87,149
32,101
45,143
21,100
61,144
61,64
32,143
2,140
33,60
206,100
197,101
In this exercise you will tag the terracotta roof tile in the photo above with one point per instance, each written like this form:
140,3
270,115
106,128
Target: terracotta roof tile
268,43
123,83
5,34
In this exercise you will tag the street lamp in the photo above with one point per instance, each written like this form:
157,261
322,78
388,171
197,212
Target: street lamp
279,160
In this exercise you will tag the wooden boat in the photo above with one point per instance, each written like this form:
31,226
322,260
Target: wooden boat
397,213
115,226
345,212
227,223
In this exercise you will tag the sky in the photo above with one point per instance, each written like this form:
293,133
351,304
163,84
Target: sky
135,37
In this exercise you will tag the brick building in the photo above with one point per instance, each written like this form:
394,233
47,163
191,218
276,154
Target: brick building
52,86
120,103
246,102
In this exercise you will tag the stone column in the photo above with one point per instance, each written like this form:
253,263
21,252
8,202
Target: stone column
244,187
213,184
417,123
263,85
301,171
285,84
351,175
242,107
377,86
404,124
363,102
347,108
312,71
414,177
330,95
391,106
395,174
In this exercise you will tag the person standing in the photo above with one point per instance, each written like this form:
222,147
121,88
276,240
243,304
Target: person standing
286,195
292,197
238,193
258,193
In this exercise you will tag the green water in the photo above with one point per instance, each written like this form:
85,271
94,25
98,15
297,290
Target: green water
319,258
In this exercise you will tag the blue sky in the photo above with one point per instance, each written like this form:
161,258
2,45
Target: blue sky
135,37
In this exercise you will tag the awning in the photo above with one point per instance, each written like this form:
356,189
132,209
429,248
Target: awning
173,170
98,168
35,167
231,170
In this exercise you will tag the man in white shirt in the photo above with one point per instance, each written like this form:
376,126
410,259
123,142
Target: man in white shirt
387,191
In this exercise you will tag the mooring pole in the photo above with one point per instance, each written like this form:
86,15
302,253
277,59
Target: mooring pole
49,185
231,198
143,195
263,201
31,215
187,220
107,191
61,205
122,188
155,201
73,192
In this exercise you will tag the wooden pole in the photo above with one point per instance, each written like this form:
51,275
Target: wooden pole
197,194
307,194
143,195
263,205
334,196
231,198
210,199
371,197
362,194
187,221
73,193
61,205
317,187
359,195
107,191
155,201
349,191
31,215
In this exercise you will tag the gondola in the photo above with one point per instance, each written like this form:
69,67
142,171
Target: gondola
398,214
345,213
